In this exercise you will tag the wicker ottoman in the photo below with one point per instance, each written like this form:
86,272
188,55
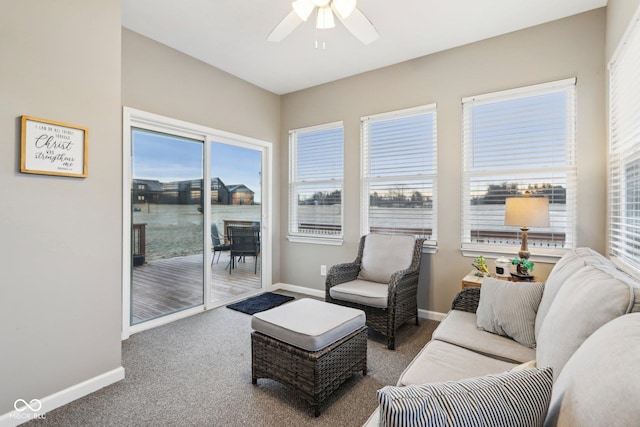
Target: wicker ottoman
310,345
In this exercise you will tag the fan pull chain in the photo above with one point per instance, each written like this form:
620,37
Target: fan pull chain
324,44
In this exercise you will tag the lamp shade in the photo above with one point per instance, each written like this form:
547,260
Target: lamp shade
527,211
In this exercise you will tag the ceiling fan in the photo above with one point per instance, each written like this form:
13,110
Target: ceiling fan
346,11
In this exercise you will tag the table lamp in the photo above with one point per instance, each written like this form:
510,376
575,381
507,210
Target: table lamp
525,212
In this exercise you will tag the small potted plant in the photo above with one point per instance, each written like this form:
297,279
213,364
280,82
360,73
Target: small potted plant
523,266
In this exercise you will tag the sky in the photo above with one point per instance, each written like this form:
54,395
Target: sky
168,158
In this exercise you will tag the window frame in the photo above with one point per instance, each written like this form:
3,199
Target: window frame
430,245
624,152
539,254
297,236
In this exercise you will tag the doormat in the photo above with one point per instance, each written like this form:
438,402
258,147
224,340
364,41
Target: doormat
260,303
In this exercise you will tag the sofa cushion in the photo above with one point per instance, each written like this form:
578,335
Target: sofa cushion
600,384
384,254
374,419
460,328
590,298
440,361
566,266
509,309
518,398
526,365
364,292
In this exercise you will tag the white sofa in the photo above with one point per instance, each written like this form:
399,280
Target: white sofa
578,324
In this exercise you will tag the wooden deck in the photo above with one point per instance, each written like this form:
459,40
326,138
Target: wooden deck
169,285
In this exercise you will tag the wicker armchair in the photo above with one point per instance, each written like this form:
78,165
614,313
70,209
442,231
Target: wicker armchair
401,292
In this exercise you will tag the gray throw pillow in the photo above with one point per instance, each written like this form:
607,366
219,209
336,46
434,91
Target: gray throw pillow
509,309
519,398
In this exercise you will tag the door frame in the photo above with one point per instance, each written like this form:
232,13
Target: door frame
133,118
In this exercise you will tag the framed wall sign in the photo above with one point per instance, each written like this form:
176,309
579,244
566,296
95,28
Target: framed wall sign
53,148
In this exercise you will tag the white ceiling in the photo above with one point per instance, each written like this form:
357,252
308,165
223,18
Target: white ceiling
231,34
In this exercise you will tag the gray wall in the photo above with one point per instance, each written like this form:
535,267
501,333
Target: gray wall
61,246
161,80
569,47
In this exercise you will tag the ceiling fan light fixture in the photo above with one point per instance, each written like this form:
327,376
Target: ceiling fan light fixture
303,8
344,8
325,18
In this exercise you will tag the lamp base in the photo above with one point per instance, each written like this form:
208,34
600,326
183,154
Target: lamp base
524,249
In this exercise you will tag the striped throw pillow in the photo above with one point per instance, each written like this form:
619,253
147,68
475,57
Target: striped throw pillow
510,309
511,399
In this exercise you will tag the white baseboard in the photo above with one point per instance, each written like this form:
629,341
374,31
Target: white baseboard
423,314
431,315
60,398
299,289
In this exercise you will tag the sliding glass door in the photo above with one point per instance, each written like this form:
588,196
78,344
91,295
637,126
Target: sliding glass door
188,190
167,254
236,220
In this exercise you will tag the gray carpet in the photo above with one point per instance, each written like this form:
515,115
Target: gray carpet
197,372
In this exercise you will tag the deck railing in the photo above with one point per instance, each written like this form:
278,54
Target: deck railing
138,243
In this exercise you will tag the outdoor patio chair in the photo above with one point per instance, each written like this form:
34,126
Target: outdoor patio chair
382,281
219,244
244,242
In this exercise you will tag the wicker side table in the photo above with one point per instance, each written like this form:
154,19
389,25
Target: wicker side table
315,374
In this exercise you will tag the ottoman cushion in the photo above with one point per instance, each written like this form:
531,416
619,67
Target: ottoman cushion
308,323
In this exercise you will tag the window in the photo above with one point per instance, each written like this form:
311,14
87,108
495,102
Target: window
399,173
624,152
315,183
515,141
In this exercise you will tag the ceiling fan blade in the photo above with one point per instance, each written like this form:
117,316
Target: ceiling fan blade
285,27
360,26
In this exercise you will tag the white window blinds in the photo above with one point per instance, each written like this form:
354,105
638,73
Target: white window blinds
624,150
399,173
516,141
316,181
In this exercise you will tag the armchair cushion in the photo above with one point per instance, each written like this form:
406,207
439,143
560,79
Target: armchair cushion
518,398
509,309
363,292
384,254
